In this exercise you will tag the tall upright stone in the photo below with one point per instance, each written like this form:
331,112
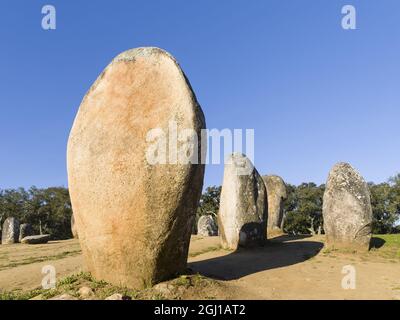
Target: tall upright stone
10,231
134,193
243,213
347,209
277,194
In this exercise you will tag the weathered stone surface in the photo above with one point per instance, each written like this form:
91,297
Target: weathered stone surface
243,213
207,227
347,209
25,230
10,231
86,292
115,296
64,296
74,231
164,288
38,239
134,217
277,194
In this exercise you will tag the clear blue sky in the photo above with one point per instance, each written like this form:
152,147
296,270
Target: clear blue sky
314,93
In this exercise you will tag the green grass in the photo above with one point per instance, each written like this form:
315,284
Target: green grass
209,249
71,285
386,246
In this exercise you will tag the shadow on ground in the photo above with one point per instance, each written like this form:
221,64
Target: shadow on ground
279,252
376,243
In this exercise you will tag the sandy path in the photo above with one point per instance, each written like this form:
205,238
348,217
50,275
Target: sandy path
286,268
21,265
298,269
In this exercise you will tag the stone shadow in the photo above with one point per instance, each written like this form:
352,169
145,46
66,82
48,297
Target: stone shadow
376,243
277,253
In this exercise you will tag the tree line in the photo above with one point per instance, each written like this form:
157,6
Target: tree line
303,207
49,210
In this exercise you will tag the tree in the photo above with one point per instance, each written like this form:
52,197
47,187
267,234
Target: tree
209,204
303,209
47,210
385,201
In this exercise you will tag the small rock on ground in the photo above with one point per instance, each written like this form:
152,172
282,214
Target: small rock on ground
64,296
86,292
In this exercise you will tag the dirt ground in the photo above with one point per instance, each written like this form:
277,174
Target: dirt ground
286,268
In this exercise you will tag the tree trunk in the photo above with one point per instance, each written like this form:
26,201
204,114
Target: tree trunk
312,231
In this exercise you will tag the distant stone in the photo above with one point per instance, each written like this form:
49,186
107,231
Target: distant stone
25,230
347,209
134,200
86,292
10,231
243,213
64,296
207,227
74,231
277,194
38,239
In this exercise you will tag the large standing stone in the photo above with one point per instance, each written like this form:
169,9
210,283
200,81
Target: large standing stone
277,194
243,213
10,231
347,209
206,226
74,231
134,216
25,230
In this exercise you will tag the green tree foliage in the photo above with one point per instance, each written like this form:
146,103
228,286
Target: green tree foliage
385,201
303,209
47,210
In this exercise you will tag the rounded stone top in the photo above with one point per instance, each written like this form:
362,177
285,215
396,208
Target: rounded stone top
133,54
344,177
276,183
240,163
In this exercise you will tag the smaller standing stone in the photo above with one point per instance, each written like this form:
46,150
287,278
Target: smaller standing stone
10,231
207,227
277,194
243,212
25,230
347,209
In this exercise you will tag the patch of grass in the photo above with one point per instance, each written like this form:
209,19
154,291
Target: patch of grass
191,285
18,295
30,260
209,249
386,246
328,251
